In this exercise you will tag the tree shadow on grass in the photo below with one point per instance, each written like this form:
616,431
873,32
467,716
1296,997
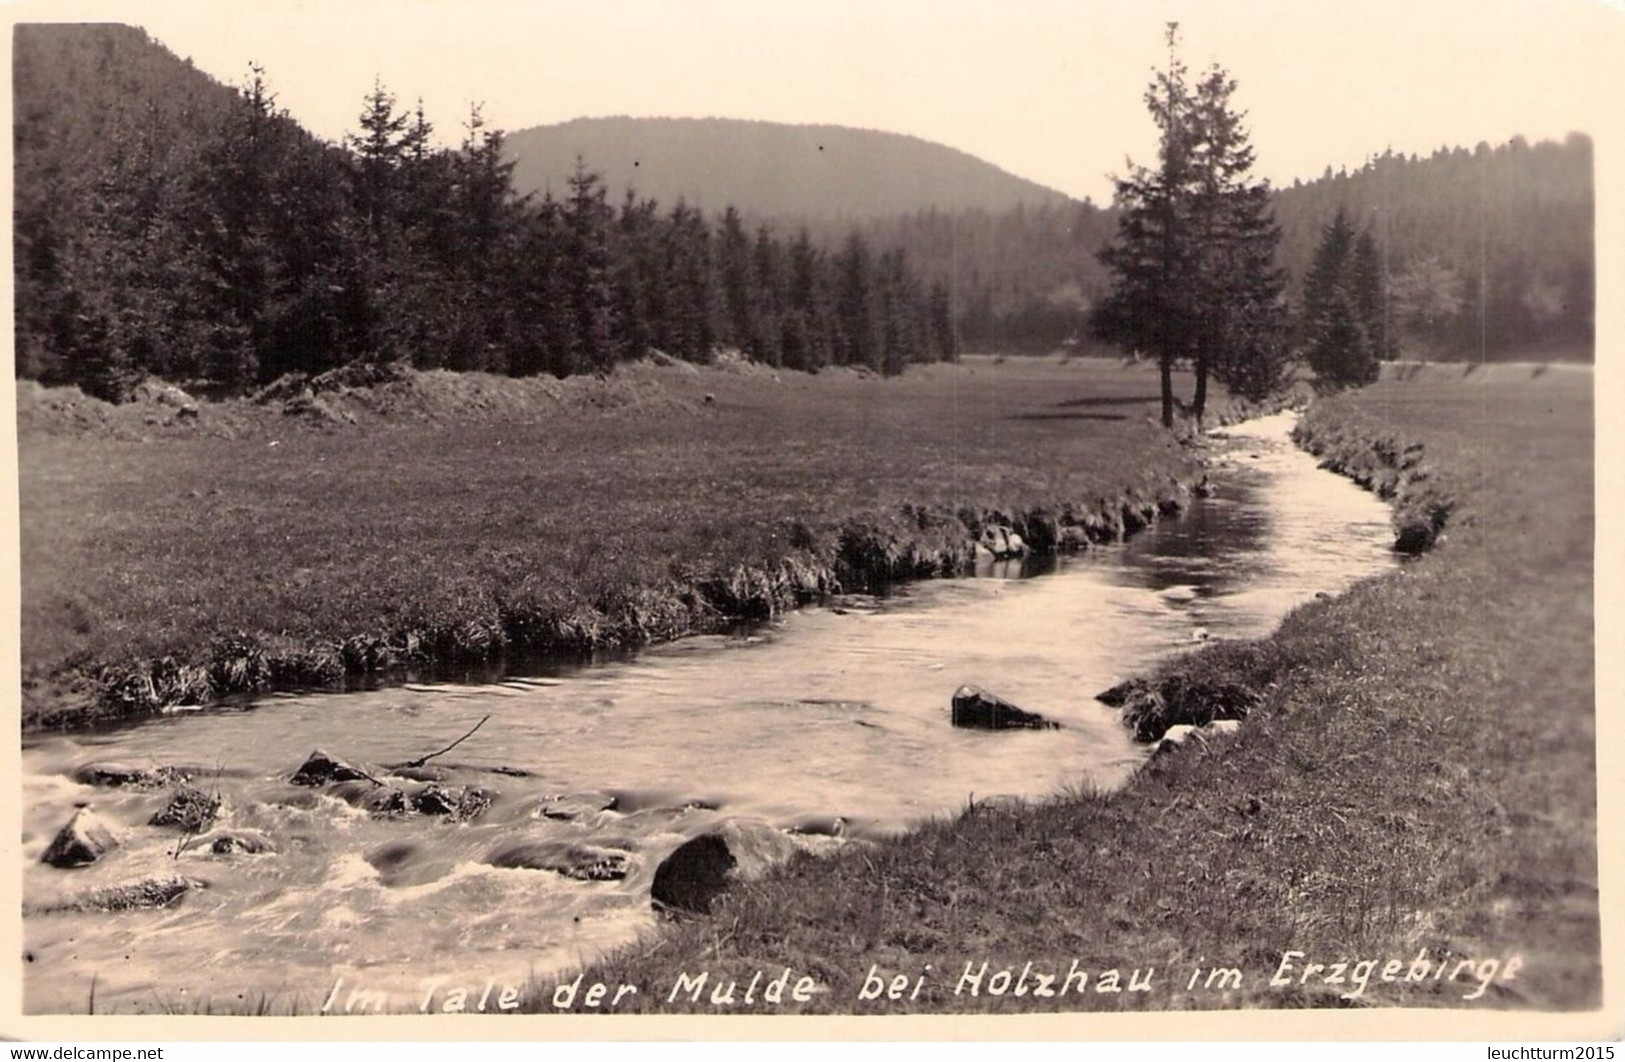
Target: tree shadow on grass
1069,416
1109,400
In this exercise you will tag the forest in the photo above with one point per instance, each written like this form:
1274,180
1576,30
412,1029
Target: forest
206,238
1487,253
168,225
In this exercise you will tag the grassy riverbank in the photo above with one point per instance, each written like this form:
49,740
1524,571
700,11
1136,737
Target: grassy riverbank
169,558
1420,776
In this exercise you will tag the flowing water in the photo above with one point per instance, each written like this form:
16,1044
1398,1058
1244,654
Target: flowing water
825,725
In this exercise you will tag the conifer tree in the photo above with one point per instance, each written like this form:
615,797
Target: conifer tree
734,275
1336,328
1193,273
587,271
767,299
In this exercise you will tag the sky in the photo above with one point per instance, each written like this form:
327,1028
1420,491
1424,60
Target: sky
1047,90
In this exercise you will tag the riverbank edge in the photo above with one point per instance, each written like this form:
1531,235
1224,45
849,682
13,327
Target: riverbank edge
1224,682
864,553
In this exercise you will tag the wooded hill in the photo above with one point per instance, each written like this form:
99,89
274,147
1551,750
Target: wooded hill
170,227
1487,253
769,170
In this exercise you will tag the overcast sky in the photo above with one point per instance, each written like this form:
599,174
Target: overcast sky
1048,90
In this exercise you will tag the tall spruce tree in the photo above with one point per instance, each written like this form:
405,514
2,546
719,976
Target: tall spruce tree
586,268
1371,296
1338,319
1192,268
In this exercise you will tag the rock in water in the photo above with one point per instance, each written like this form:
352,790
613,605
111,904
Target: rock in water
584,862
457,803
1002,542
247,842
978,709
693,876
321,769
132,896
190,809
127,774
83,840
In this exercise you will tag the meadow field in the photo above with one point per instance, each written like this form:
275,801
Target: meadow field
1419,779
169,559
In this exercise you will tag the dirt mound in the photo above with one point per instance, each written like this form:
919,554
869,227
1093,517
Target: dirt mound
155,408
360,395
443,395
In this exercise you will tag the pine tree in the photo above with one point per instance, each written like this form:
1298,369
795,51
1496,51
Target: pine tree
1241,321
1370,296
767,299
1151,305
858,339
734,275
587,272
636,276
808,324
237,187
1336,330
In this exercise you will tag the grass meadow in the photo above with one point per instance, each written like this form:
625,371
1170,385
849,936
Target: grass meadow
242,547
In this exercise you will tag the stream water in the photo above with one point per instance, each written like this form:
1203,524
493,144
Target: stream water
826,714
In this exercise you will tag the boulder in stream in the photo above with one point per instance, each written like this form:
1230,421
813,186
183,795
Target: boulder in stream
84,839
456,803
190,809
321,769
583,862
573,807
975,708
131,896
246,842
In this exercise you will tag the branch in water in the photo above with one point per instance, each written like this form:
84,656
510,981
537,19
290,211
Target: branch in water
420,761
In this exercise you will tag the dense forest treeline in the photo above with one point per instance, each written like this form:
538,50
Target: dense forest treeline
167,224
1485,253
208,238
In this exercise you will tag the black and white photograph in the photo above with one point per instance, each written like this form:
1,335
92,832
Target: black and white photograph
1033,512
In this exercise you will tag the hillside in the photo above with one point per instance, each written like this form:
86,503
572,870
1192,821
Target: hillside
1488,253
81,94
767,169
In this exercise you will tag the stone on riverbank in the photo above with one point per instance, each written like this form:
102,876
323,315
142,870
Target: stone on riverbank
1151,708
1415,535
975,708
693,876
1001,542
